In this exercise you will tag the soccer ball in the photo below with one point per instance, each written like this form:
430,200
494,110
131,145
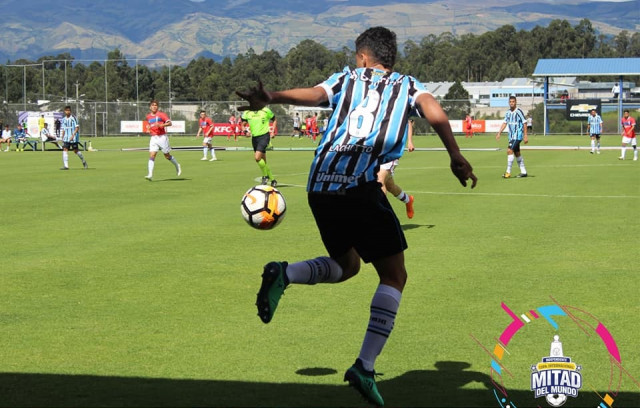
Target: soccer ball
263,207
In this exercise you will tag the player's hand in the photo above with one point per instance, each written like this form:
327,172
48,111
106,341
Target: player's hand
257,97
410,147
463,170
498,136
526,140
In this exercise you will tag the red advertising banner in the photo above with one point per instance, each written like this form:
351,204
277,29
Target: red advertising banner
478,126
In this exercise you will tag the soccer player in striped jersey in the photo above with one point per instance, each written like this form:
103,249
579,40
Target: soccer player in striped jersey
594,127
368,127
515,120
205,126
70,138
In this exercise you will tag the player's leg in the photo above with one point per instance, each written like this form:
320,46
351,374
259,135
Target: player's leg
260,144
510,159
152,161
598,144
205,149
81,156
593,144
213,152
623,150
635,148
65,156
520,160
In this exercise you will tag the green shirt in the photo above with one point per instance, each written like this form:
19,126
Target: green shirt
258,120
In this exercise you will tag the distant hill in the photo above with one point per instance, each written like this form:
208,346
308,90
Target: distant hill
181,30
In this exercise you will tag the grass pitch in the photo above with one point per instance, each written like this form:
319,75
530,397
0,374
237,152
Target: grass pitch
115,291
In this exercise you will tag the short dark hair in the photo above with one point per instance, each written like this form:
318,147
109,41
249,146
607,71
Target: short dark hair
381,43
626,110
153,101
205,112
67,107
513,97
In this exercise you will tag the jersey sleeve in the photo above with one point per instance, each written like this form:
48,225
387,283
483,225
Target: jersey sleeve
334,84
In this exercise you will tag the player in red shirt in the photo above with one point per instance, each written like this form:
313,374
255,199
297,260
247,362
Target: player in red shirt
468,128
314,126
309,125
628,135
233,130
158,122
206,128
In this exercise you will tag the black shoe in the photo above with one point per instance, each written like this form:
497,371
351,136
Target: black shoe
64,168
364,381
274,183
264,180
521,175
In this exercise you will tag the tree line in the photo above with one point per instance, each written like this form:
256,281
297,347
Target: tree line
491,56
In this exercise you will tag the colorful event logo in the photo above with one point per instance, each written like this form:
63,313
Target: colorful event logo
556,377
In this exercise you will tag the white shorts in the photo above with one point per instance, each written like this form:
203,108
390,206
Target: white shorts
206,140
631,140
389,166
159,143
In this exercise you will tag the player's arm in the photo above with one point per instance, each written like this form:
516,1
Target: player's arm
438,119
259,98
410,145
504,124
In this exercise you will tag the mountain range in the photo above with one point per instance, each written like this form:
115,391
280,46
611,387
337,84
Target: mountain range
181,30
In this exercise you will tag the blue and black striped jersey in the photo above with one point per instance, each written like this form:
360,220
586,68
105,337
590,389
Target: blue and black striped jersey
595,124
516,122
68,126
368,126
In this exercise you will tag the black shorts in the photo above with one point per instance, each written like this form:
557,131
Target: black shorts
70,146
597,136
514,145
361,218
261,142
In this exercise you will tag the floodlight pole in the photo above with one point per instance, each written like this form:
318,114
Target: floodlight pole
546,96
621,90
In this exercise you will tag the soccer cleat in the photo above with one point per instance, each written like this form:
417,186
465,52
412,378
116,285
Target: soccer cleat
203,159
85,165
179,170
274,183
274,281
591,152
64,168
635,158
506,175
149,177
364,381
409,206
598,151
264,180
213,159
521,175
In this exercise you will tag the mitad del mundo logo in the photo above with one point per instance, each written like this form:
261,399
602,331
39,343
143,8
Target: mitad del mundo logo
556,376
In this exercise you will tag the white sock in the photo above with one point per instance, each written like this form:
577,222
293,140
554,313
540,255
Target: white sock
174,161
598,145
520,160
213,153
151,164
404,197
384,307
65,158
624,149
635,151
593,144
81,157
319,270
204,151
510,158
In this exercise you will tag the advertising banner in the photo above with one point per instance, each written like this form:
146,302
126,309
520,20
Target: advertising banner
578,109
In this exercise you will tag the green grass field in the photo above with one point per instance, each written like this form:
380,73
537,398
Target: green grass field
115,291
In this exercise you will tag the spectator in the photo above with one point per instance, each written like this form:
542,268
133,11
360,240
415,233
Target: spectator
6,138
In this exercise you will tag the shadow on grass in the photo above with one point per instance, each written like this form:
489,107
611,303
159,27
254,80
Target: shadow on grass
421,388
407,227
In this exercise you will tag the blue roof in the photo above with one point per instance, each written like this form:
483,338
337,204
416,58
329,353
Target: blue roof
588,66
